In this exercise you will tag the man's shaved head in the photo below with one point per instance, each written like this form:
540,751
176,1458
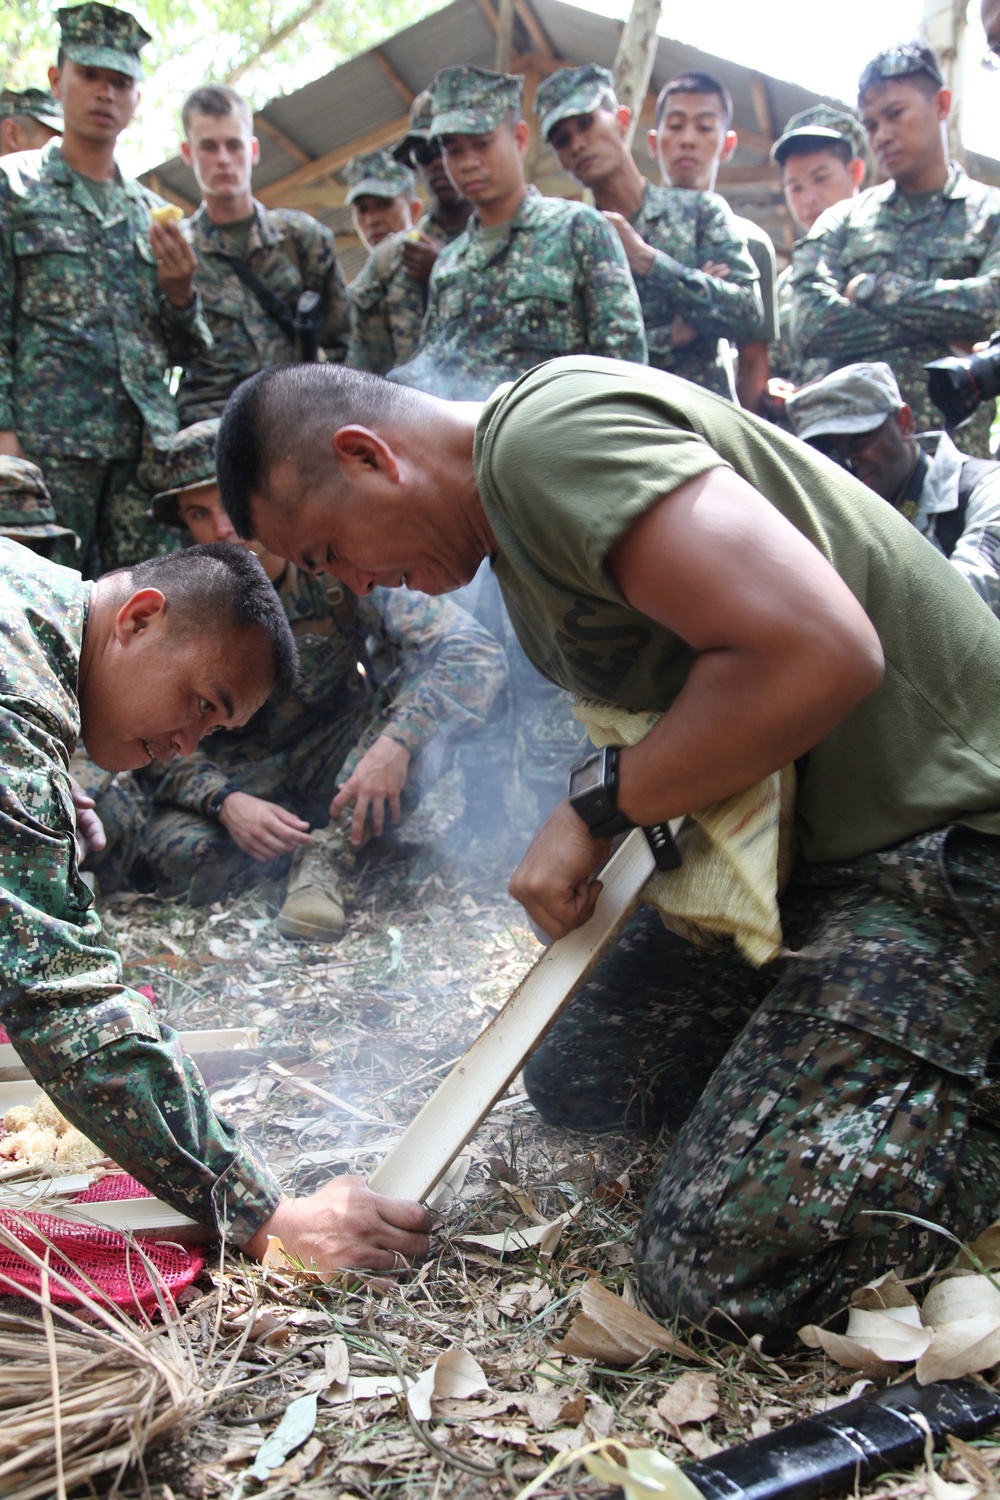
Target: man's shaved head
290,413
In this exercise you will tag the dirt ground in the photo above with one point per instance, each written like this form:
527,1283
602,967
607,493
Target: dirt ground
434,946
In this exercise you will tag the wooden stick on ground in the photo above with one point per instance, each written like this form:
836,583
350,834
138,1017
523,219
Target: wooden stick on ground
455,1111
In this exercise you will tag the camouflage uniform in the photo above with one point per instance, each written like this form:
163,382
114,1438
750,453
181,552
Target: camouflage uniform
26,513
37,104
686,230
86,334
431,676
94,1045
555,282
290,253
387,305
929,278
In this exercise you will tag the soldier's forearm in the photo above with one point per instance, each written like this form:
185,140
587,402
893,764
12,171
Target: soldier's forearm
949,310
10,447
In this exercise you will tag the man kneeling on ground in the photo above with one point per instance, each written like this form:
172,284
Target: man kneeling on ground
385,685
141,664
661,551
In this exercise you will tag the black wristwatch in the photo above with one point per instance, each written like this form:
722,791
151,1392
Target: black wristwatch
593,793
213,807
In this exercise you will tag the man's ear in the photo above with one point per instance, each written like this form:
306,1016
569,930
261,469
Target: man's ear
905,422
144,611
624,117
186,153
358,448
254,151
522,136
942,103
729,146
856,170
55,79
652,145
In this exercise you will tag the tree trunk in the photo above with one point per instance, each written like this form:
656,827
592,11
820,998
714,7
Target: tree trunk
634,61
944,28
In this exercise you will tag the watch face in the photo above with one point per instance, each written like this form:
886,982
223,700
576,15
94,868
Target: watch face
587,775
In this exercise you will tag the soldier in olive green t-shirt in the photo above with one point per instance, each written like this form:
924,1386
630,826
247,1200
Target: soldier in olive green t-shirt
658,548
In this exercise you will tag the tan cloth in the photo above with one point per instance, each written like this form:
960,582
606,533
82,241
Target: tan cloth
737,854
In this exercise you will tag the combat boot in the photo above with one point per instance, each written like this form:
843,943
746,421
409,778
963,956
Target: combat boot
315,898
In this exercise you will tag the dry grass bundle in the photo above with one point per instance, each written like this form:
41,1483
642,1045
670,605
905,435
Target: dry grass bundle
85,1393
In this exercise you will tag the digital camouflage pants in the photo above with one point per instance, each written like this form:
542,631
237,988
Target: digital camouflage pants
103,501
815,1100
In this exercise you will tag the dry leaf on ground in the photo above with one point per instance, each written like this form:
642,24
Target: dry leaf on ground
608,1329
543,1237
964,1314
693,1397
454,1374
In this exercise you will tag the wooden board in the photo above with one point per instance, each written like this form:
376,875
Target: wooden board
197,1043
455,1111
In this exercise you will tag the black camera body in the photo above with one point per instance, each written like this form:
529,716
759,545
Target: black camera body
959,386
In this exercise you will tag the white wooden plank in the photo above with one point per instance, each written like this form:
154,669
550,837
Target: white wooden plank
458,1107
219,1040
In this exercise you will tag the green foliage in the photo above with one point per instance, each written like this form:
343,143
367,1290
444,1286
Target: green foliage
265,49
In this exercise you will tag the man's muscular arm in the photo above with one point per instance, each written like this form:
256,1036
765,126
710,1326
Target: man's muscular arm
785,652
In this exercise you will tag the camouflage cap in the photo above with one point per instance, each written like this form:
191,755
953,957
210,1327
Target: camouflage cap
187,461
820,123
25,504
37,104
421,114
377,173
472,101
857,398
572,91
102,37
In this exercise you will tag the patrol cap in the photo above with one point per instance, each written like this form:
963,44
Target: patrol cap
472,101
857,398
37,104
26,508
377,173
823,124
99,36
572,91
187,461
421,114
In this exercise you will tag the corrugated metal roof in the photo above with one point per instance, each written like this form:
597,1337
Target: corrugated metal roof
363,103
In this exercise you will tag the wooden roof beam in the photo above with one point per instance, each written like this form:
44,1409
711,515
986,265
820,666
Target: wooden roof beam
332,161
402,89
262,126
761,106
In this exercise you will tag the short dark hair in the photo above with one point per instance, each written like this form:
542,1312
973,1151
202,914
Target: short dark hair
694,81
215,588
925,73
291,411
808,145
217,100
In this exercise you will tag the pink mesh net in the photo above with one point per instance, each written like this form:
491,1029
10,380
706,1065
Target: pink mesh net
100,1262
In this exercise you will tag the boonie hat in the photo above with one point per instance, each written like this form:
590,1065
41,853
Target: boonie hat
102,37
187,461
820,123
37,104
379,174
857,398
572,91
472,101
26,508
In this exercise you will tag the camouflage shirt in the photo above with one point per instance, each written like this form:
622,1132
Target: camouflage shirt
554,282
86,334
930,269
430,670
687,229
94,1045
387,305
288,251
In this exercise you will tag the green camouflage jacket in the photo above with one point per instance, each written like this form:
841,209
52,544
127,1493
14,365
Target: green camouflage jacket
86,335
94,1045
687,229
556,282
430,670
290,252
930,277
387,306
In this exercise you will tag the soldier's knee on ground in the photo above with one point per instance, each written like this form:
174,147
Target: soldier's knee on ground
186,855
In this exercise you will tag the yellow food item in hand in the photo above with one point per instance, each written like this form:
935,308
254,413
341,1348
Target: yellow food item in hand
165,213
